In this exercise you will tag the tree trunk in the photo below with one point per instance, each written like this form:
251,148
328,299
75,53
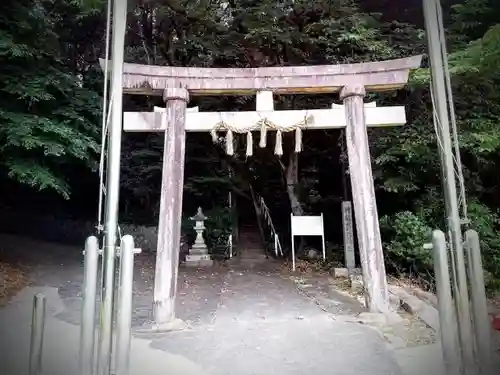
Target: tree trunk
292,179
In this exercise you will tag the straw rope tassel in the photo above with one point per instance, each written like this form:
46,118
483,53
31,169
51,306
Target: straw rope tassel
298,139
263,134
249,144
229,142
278,149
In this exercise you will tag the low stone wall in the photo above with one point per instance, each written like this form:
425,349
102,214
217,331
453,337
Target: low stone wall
145,238
69,231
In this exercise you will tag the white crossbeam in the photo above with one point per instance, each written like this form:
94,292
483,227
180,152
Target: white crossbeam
319,118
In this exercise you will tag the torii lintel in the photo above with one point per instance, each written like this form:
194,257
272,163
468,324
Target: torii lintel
374,76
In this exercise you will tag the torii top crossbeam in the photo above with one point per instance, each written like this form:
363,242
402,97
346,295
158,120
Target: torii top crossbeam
374,76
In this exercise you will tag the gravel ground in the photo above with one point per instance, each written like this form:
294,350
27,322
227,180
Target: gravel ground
409,332
241,321
12,280
200,292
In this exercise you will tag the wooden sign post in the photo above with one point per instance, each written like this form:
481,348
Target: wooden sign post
348,230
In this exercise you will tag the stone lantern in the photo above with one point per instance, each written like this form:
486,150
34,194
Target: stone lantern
198,253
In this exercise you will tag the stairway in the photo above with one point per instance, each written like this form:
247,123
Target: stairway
250,247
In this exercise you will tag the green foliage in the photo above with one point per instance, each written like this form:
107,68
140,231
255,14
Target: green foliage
471,20
48,117
487,224
407,161
408,233
219,228
480,56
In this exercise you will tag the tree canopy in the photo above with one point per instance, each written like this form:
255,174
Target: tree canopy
51,100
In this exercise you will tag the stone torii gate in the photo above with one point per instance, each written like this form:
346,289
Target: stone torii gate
352,81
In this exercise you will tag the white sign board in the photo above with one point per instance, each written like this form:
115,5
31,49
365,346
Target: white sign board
307,226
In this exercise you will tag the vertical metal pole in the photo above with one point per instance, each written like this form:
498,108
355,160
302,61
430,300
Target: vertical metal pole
113,187
37,329
124,313
87,329
275,244
447,316
481,320
449,183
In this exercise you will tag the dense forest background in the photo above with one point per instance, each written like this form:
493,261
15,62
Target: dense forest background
51,111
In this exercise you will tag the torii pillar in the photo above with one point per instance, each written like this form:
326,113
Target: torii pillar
365,204
169,224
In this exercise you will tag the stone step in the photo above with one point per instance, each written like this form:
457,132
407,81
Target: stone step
195,251
254,259
197,257
251,261
252,255
248,231
259,259
249,245
199,260
256,249
250,237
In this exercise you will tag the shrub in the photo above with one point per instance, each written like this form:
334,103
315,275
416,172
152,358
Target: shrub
408,233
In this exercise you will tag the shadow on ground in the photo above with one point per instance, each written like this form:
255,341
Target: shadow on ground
240,321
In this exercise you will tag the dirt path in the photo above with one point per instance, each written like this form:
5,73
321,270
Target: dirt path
61,266
200,292
241,320
264,325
